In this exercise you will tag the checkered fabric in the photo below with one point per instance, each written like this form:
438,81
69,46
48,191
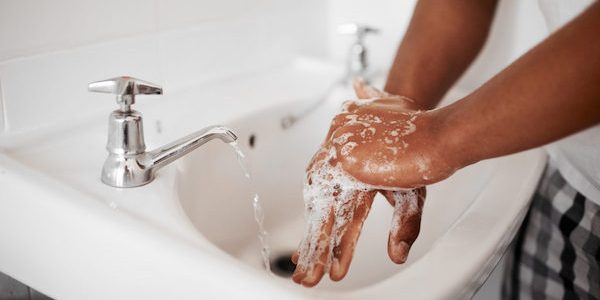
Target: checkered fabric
556,254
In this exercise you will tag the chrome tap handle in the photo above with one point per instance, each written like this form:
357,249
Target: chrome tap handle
128,163
357,61
358,30
125,88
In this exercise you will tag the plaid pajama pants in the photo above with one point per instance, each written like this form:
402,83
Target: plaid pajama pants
556,254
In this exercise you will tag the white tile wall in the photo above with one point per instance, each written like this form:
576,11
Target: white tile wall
50,50
174,14
52,88
30,27
215,50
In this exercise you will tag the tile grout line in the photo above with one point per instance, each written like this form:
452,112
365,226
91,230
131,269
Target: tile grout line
4,125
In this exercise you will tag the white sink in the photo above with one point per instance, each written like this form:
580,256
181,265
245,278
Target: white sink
190,233
467,221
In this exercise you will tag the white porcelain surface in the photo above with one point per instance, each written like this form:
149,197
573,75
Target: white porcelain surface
65,233
190,233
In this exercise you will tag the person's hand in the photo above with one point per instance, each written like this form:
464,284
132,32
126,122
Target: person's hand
337,203
383,141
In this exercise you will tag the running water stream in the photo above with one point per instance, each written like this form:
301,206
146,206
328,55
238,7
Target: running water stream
259,214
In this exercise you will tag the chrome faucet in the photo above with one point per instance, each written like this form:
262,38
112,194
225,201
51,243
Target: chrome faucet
128,163
357,66
357,61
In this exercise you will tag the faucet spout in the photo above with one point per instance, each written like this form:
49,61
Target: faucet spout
128,163
167,154
125,169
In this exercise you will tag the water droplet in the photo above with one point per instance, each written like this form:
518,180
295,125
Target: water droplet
240,158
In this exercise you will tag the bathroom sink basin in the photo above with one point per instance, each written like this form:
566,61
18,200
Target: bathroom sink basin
66,234
190,233
468,220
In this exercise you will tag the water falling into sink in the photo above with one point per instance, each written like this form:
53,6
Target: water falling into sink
259,214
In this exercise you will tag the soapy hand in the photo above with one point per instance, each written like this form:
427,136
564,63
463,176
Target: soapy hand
371,147
382,141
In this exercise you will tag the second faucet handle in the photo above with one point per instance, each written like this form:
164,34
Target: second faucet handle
357,30
125,88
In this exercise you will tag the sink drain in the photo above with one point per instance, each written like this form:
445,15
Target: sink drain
282,265
252,140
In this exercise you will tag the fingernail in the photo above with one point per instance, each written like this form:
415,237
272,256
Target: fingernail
336,273
399,252
309,281
297,277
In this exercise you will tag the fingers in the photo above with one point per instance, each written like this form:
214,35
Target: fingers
346,234
406,222
336,122
365,91
313,255
333,250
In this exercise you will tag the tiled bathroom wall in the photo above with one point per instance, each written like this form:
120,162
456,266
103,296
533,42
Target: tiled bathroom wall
50,50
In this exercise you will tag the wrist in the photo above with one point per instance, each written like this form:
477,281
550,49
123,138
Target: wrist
421,101
454,144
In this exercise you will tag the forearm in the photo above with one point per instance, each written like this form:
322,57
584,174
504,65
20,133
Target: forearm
442,40
549,93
